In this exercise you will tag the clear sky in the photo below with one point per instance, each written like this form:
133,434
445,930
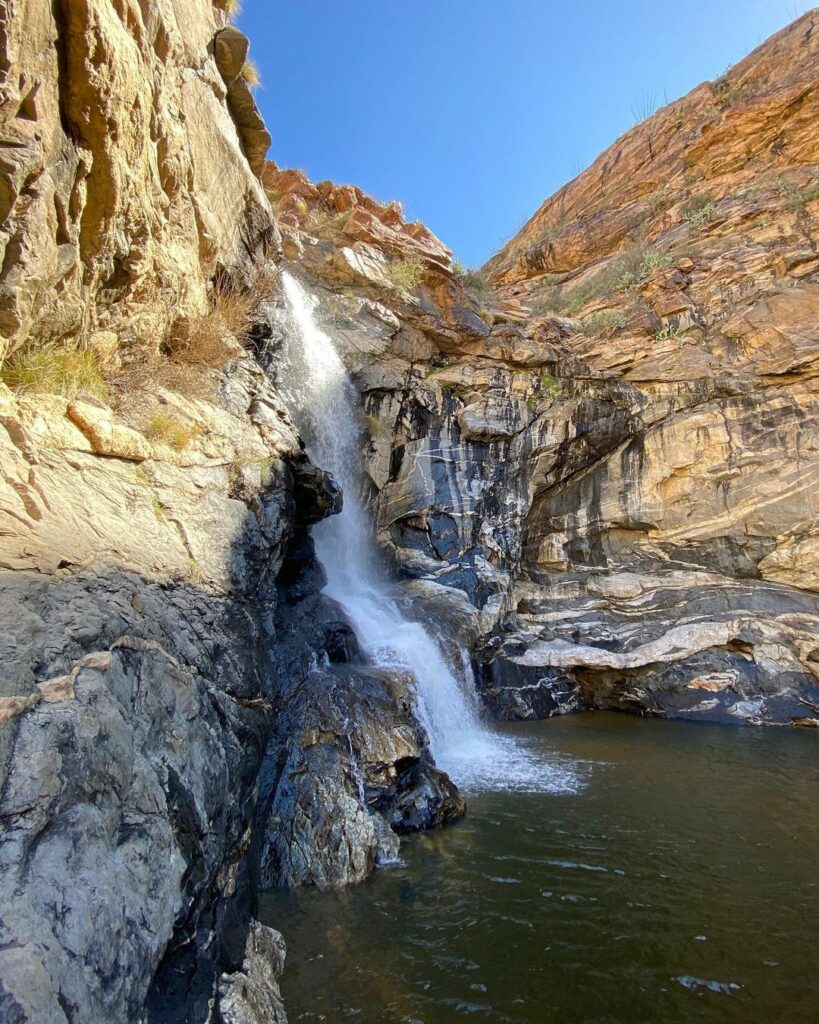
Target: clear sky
471,112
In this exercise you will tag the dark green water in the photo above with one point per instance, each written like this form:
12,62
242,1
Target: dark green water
681,883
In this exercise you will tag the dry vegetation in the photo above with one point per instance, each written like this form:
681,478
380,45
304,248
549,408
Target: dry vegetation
197,348
165,428
68,371
407,273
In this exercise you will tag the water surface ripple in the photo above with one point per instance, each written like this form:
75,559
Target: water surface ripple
679,882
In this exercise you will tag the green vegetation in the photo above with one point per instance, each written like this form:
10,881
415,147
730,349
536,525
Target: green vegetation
473,282
549,385
165,428
68,371
698,210
798,198
660,199
668,332
407,273
628,271
604,324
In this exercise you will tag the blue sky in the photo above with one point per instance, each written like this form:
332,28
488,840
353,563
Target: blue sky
471,112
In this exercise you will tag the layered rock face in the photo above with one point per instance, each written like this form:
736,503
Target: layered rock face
610,462
124,182
675,569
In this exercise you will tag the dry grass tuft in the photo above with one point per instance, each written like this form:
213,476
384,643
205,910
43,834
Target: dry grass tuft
68,371
232,8
197,348
165,428
251,74
209,340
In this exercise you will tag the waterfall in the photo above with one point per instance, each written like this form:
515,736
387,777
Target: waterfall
322,402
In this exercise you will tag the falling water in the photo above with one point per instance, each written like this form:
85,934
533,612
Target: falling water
322,401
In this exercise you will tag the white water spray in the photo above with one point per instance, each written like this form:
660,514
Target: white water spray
322,402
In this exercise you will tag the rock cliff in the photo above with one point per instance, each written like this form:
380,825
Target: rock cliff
594,464
601,451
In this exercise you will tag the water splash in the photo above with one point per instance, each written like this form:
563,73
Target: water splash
322,402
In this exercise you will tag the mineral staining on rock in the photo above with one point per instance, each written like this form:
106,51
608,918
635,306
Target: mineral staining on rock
624,443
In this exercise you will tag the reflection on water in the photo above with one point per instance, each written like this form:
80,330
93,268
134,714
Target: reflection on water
680,884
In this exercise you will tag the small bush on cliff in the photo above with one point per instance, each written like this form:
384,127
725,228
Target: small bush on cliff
669,332
230,7
604,324
68,371
473,282
251,74
165,428
549,385
798,198
209,341
406,273
660,199
630,269
698,210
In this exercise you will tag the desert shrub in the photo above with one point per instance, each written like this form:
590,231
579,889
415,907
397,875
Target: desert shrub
603,324
208,340
699,209
660,199
230,7
406,273
669,331
473,282
550,385
165,428
58,370
630,269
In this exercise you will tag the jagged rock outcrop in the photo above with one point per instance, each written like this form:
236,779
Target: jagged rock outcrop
124,181
150,691
137,689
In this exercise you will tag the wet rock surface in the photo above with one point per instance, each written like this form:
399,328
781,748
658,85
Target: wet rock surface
349,766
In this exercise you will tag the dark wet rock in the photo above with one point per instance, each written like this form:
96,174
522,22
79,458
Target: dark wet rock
348,766
513,692
133,774
675,644
316,493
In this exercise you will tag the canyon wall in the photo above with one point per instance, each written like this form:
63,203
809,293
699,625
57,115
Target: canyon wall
594,464
603,463
182,713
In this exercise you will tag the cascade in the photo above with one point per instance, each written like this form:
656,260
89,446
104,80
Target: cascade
322,402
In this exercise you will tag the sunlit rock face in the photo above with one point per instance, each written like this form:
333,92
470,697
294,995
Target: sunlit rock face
125,182
704,511
637,400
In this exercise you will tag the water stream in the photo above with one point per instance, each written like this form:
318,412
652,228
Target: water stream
322,402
